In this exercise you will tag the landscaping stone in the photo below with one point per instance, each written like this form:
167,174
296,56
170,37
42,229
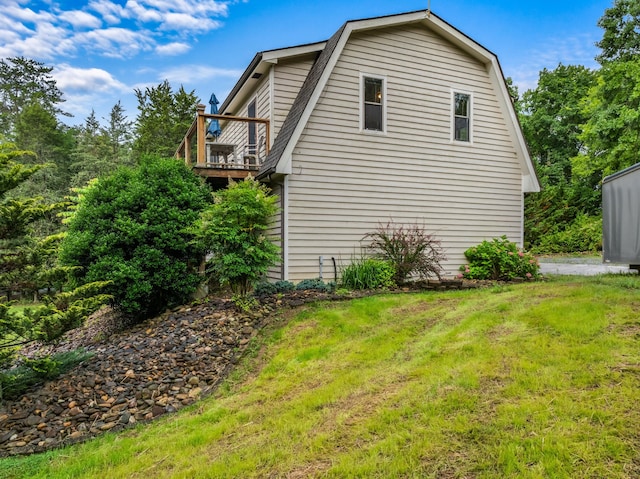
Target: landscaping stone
140,373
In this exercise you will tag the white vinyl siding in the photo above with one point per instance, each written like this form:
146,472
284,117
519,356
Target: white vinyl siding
275,233
345,183
289,75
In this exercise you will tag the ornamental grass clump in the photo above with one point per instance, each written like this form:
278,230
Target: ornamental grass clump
499,259
368,273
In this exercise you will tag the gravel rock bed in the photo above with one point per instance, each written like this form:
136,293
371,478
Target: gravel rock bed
149,370
139,374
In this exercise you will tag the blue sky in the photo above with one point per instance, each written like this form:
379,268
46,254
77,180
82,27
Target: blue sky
101,50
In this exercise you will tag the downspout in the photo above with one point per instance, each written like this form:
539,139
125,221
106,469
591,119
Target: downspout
335,270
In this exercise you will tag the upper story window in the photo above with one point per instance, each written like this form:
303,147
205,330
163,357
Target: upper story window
373,93
461,116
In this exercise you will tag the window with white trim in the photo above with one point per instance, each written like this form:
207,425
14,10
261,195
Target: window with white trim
373,103
461,116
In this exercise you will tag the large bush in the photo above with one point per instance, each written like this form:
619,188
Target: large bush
135,229
582,235
499,259
408,248
234,231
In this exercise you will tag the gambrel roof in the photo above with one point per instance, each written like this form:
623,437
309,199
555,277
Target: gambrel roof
279,159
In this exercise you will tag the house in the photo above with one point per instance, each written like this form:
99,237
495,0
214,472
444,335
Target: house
400,117
621,217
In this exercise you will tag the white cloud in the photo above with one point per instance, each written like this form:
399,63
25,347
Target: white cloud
110,12
116,42
183,21
52,31
44,43
140,13
80,19
172,49
78,80
575,50
197,73
65,32
15,11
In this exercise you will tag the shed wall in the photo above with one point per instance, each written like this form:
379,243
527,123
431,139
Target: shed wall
621,218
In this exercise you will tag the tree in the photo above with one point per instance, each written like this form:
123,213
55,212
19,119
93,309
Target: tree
134,229
101,150
118,133
163,119
19,252
17,216
611,135
552,119
24,82
38,130
233,230
621,37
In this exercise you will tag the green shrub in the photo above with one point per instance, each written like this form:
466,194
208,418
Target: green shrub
368,273
244,302
15,381
584,234
265,288
499,259
409,248
135,229
234,230
284,286
315,285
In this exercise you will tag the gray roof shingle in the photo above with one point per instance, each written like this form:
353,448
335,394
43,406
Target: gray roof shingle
299,105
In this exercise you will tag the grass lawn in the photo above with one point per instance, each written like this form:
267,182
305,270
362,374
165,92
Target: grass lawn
527,381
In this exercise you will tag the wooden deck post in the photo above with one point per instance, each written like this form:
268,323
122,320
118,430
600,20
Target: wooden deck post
187,151
200,135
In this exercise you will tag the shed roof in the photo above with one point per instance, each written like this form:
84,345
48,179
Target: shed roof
620,173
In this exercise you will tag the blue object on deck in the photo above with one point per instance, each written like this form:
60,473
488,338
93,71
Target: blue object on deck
214,126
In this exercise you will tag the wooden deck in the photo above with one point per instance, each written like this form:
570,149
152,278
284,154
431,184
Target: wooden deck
221,160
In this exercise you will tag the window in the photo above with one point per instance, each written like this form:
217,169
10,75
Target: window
373,93
461,116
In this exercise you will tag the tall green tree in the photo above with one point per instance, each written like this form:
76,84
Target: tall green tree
553,118
612,133
621,36
163,118
119,135
23,82
39,131
101,150
21,259
552,121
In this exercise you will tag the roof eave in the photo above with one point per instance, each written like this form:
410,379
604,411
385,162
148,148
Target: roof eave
260,66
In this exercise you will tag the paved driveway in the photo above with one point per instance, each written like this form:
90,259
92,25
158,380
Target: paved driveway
580,266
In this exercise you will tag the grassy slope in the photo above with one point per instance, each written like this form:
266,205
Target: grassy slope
535,380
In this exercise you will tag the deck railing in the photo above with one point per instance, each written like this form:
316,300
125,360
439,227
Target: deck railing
227,153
